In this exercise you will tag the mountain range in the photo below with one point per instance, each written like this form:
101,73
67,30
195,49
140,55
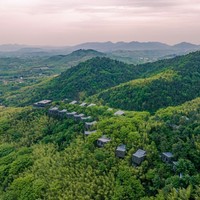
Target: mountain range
99,46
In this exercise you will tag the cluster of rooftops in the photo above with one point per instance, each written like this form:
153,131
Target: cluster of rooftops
45,103
137,158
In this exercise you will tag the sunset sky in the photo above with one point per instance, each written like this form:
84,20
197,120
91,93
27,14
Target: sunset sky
65,22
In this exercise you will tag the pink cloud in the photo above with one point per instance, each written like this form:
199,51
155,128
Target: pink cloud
67,22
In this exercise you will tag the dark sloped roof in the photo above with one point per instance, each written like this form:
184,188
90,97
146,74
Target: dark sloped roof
168,154
140,153
121,147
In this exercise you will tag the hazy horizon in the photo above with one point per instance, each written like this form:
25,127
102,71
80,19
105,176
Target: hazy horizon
66,23
75,44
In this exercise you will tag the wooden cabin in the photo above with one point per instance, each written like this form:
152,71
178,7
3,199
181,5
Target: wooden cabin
86,133
119,113
89,125
167,157
102,141
138,157
71,114
42,104
53,111
120,151
62,113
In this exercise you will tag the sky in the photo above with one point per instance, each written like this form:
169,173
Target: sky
66,22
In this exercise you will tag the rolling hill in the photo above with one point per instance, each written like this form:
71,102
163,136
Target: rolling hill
178,82
83,80
73,58
167,82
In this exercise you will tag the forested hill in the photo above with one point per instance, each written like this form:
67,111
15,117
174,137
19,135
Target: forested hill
91,77
178,81
85,79
73,58
166,82
47,157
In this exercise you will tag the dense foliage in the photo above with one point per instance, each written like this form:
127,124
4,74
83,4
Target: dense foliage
85,79
178,83
48,157
19,72
44,157
168,82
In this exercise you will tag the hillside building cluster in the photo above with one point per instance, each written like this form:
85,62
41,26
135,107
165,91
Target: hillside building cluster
90,127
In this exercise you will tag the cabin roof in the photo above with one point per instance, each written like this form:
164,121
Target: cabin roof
139,153
119,112
83,104
63,111
79,115
86,117
72,113
73,102
92,104
90,123
104,139
168,154
44,101
89,132
121,147
53,109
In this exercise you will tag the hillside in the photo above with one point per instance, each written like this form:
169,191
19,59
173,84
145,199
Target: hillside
168,82
18,72
44,157
178,82
73,58
83,80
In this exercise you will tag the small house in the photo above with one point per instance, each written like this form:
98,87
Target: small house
89,125
53,111
73,102
86,133
71,114
119,113
62,113
167,157
77,117
138,157
102,141
92,104
83,104
120,151
42,104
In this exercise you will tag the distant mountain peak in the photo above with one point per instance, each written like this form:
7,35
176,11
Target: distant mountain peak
185,45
